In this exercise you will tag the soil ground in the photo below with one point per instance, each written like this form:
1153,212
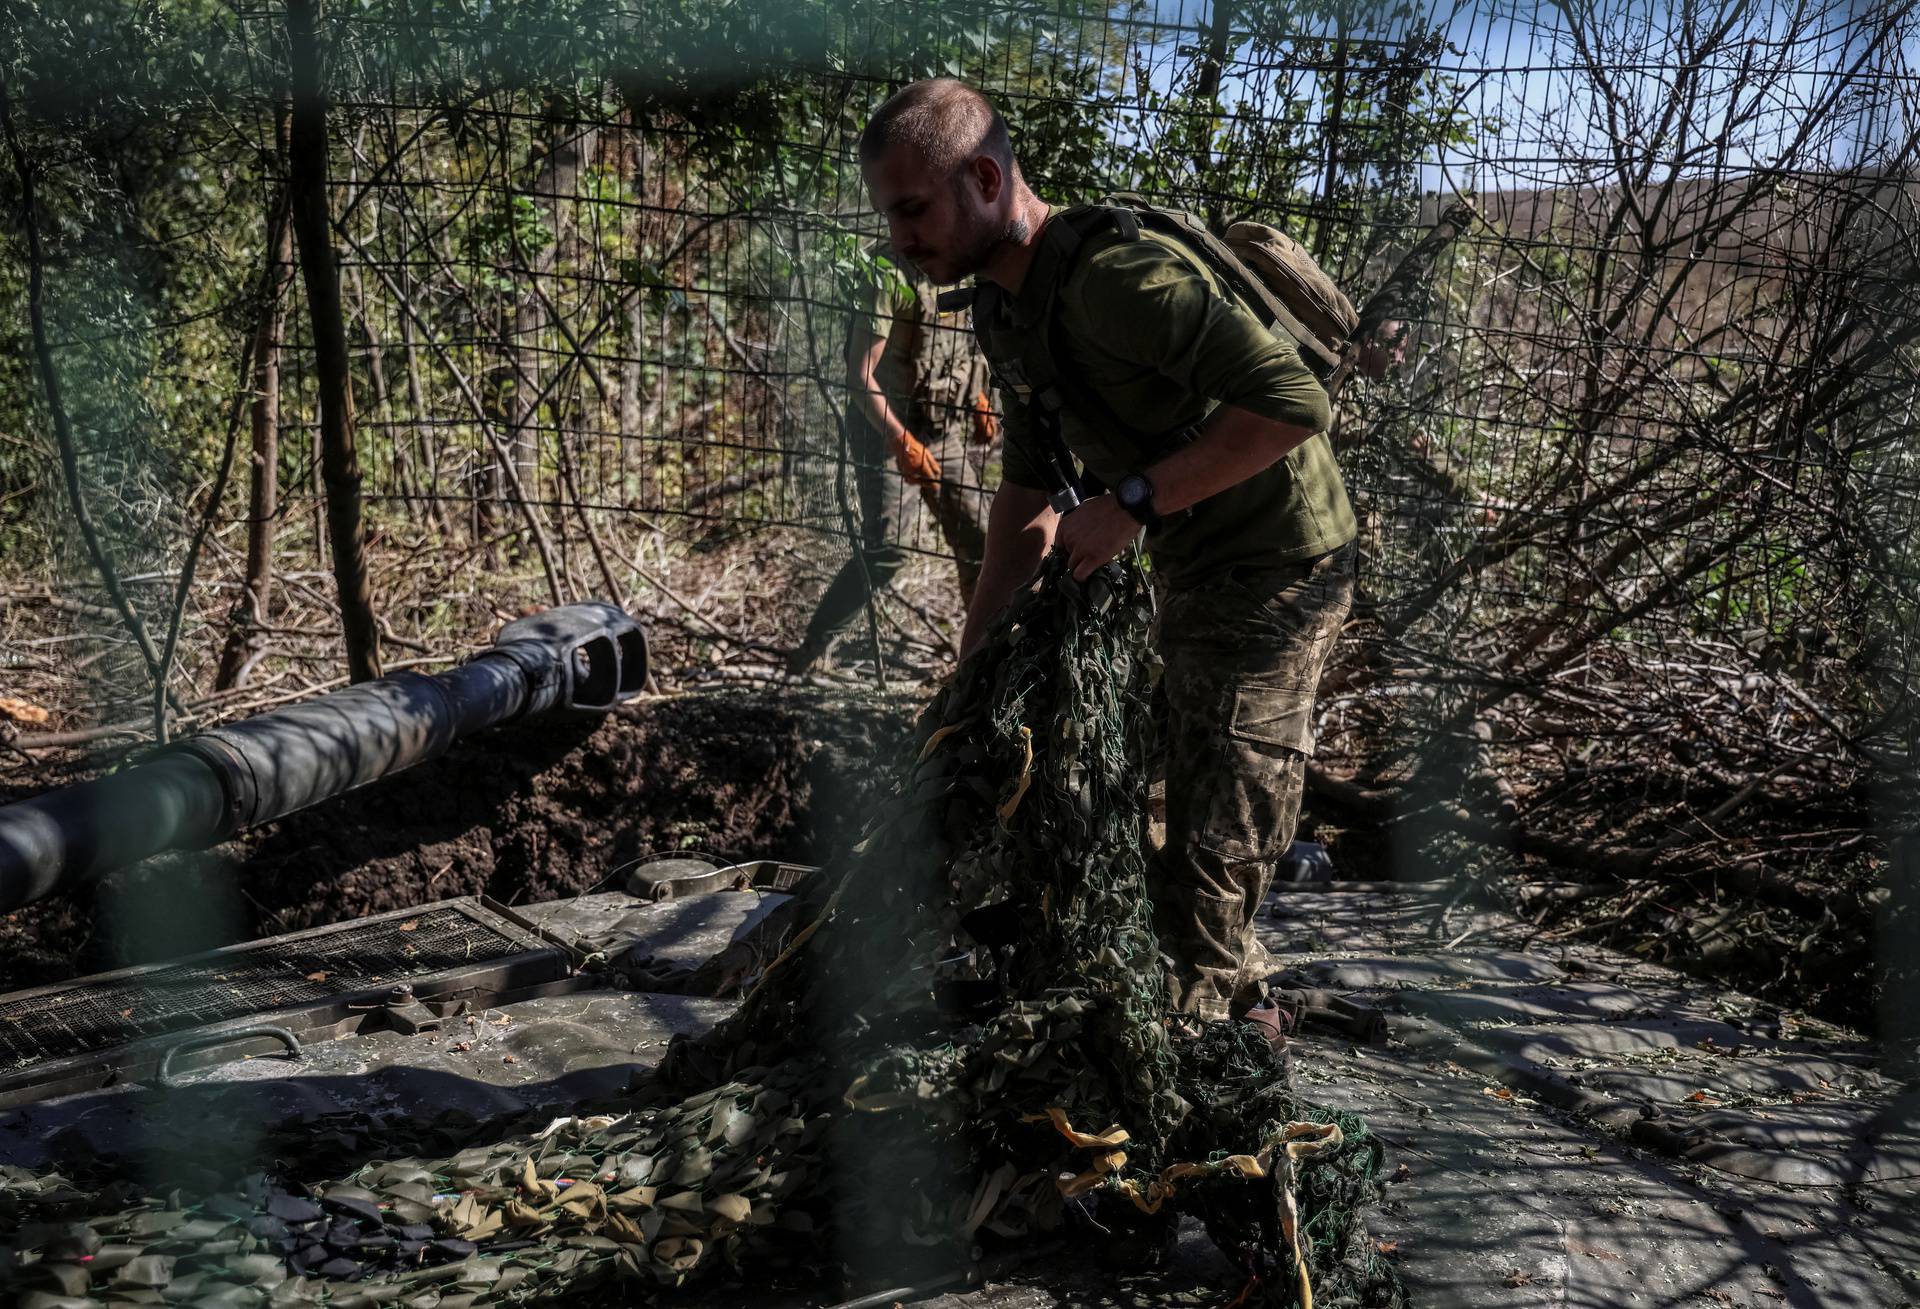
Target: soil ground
522,813
733,771
1798,911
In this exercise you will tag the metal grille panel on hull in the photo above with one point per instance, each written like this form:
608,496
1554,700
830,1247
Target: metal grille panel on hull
113,1009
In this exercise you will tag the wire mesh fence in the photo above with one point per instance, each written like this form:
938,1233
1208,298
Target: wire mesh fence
1640,478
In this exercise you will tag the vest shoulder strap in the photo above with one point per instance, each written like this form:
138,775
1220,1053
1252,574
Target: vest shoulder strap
1030,364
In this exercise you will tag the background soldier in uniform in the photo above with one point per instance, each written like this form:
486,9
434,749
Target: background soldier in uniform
917,397
1235,482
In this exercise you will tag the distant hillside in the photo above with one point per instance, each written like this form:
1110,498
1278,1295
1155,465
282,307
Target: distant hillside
1717,267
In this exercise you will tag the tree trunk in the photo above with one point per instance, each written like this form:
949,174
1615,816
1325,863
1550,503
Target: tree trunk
426,446
263,491
566,149
490,484
1336,106
340,468
1206,91
632,385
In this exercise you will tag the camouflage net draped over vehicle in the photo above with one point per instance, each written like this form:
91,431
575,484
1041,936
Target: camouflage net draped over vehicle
964,1035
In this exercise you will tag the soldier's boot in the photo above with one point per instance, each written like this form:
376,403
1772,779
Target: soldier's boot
802,658
1271,1023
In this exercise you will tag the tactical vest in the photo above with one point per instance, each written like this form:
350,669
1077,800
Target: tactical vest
1029,361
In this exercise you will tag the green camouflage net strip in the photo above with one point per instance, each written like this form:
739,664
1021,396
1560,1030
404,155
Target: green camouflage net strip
967,1027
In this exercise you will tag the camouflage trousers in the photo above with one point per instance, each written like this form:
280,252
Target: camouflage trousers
1242,654
890,510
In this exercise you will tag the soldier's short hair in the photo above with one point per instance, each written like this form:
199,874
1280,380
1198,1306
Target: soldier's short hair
945,120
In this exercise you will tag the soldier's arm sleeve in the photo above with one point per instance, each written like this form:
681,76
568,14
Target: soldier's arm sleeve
889,301
1148,307
1018,434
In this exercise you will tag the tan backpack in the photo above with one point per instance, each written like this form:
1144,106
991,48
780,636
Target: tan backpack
1276,278
1286,269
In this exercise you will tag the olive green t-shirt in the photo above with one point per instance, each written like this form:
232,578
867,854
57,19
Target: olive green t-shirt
930,368
889,313
1152,330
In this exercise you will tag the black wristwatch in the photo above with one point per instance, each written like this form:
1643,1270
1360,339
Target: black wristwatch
1135,494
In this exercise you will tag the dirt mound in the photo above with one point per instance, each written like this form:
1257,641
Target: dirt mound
529,812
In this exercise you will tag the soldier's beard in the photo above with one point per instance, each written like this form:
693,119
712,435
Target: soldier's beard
985,237
972,257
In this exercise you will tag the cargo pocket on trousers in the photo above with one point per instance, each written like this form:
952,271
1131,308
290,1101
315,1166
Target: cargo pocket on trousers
1274,715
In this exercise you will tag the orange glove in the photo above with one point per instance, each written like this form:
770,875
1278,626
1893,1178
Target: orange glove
985,425
916,462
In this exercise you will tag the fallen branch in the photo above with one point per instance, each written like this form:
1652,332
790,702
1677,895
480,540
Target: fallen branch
648,576
731,484
79,608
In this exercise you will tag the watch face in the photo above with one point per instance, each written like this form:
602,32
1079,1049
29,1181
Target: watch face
1133,491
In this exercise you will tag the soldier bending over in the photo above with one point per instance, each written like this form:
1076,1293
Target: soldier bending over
1221,457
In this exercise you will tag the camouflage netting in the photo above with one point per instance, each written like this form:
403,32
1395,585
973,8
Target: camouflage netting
962,1042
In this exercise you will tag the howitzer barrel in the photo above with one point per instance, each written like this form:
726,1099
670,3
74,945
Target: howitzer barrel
207,787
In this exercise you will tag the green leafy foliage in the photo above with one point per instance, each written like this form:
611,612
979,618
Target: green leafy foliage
506,237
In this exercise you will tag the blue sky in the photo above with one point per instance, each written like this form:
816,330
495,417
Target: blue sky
1520,70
